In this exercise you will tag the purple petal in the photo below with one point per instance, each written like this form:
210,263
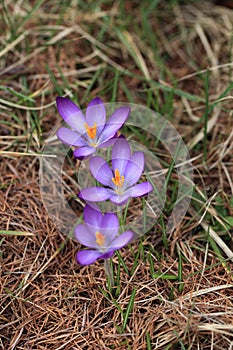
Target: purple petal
70,137
109,227
85,236
141,189
120,199
94,194
84,152
101,170
108,143
87,257
71,114
96,112
107,255
92,216
122,240
114,123
134,168
120,155
121,149
110,220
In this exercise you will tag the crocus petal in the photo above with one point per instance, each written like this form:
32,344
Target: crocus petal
109,227
71,114
70,137
85,236
134,168
120,199
107,255
101,170
121,240
94,194
114,123
92,216
120,155
141,189
84,152
87,257
138,159
110,220
96,113
121,149
108,143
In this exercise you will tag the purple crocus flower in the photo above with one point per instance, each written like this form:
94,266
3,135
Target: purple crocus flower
99,232
120,181
90,131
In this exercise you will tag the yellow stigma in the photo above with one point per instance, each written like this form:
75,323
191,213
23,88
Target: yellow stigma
118,180
91,130
100,239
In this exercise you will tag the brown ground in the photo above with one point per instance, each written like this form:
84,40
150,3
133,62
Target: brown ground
47,300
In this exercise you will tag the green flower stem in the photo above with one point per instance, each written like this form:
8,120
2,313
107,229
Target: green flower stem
109,273
121,220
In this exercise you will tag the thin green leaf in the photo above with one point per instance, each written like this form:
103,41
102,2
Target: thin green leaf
129,308
15,233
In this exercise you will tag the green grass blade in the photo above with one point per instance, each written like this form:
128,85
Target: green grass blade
129,308
15,233
148,341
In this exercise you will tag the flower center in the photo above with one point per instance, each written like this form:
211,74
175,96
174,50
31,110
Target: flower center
91,130
118,180
100,238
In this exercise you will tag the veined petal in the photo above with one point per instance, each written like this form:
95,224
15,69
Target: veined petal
120,155
119,116
110,220
87,257
141,189
108,143
109,227
84,152
101,170
92,217
94,194
70,137
120,199
138,159
71,114
114,123
121,240
134,168
121,149
96,113
85,236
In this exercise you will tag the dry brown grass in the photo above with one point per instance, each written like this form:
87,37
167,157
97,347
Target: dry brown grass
47,300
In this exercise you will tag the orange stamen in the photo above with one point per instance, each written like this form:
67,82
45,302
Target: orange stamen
100,238
118,180
91,130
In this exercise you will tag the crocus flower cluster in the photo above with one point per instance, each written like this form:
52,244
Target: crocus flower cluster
119,181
